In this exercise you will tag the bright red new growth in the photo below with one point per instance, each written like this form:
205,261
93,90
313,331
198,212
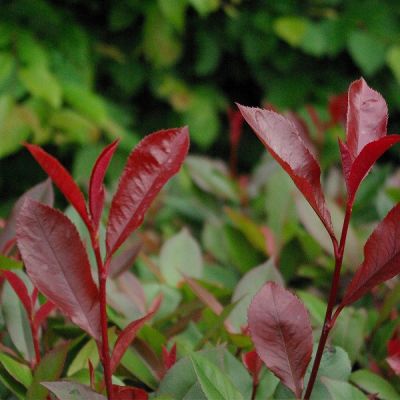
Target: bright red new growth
151,164
62,179
126,337
57,264
282,140
129,393
281,331
381,258
96,188
253,363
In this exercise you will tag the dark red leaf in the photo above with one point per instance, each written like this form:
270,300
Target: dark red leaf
43,312
366,117
123,261
169,357
42,192
281,331
129,393
338,108
381,258
365,160
20,289
252,362
57,263
151,164
62,179
96,188
282,140
393,358
126,337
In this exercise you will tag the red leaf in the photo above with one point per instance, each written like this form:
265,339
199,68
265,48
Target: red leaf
366,117
43,312
365,160
123,261
129,393
150,165
169,357
381,258
281,331
96,189
338,108
57,264
282,140
62,179
393,358
126,337
253,363
20,289
42,192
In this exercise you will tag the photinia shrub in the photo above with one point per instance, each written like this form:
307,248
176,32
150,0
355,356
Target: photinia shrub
278,321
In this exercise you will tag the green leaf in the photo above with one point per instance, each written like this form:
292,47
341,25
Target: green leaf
9,263
49,369
6,66
208,54
215,384
291,29
18,371
73,391
374,384
88,352
205,7
315,40
248,286
40,82
342,390
367,51
315,306
11,384
181,254
174,11
393,61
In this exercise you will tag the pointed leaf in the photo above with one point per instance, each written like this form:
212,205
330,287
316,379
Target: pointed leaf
43,312
129,393
169,357
20,289
66,390
126,337
381,258
282,140
366,117
18,371
281,331
62,179
96,189
151,164
365,160
123,261
42,192
58,265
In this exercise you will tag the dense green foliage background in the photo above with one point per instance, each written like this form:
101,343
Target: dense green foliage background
80,72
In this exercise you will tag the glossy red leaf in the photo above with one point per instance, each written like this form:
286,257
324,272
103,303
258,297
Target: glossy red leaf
367,116
150,165
365,160
44,310
381,258
253,363
42,192
282,140
129,393
96,188
57,263
281,331
20,289
62,179
126,337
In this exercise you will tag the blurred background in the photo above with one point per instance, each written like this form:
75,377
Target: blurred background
77,74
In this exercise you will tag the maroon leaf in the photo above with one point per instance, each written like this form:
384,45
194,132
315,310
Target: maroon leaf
281,331
366,117
129,393
57,264
169,357
42,192
126,337
338,108
364,161
20,289
393,359
381,258
96,188
282,140
151,164
253,363
123,261
43,312
62,179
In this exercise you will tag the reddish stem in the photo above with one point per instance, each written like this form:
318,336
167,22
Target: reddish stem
329,321
36,344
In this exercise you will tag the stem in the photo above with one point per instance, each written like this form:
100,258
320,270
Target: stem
36,345
329,322
105,348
